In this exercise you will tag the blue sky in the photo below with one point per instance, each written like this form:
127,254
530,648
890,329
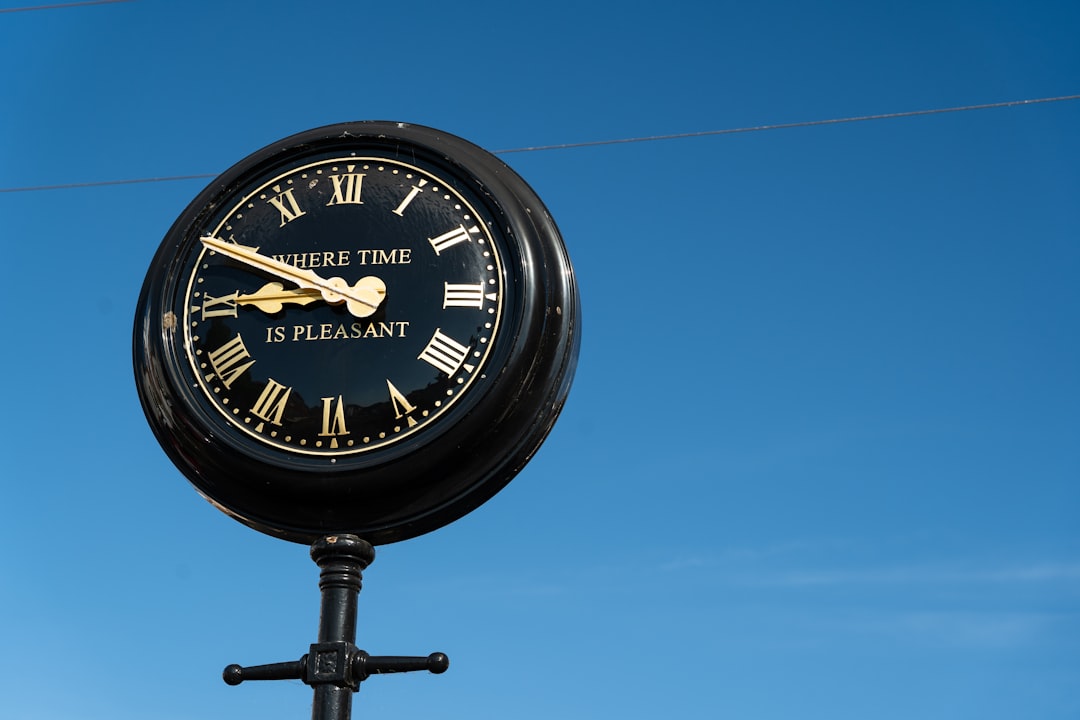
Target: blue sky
822,453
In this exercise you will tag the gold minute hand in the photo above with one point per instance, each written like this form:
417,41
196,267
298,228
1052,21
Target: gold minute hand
361,299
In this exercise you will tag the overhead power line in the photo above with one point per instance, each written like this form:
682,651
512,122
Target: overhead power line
61,6
787,126
105,183
595,143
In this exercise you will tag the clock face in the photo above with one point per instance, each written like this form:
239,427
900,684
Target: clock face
366,328
343,304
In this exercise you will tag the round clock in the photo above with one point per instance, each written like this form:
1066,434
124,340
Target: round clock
366,328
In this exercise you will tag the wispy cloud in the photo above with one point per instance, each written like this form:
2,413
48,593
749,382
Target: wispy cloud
914,575
837,564
957,629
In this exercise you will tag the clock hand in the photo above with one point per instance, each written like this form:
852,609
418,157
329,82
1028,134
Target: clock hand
361,299
271,296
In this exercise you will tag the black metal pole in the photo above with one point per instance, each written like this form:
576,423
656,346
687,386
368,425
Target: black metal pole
342,559
334,666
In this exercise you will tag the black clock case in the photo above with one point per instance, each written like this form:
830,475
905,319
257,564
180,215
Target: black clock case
431,478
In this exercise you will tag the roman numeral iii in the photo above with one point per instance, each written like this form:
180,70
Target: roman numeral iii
463,295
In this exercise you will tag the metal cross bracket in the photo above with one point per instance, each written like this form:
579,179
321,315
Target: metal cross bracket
341,664
334,666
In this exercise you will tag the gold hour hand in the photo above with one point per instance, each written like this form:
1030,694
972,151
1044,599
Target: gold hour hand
361,299
272,296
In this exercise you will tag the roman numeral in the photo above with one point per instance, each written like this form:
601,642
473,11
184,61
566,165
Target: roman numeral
333,419
463,295
347,188
455,236
416,190
444,353
213,307
286,204
271,403
230,361
402,407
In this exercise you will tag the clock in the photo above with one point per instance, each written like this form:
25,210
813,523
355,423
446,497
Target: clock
365,328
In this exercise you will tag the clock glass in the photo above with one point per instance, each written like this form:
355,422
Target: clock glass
342,304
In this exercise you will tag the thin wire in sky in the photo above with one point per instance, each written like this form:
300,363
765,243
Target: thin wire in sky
61,6
595,143
786,126
105,183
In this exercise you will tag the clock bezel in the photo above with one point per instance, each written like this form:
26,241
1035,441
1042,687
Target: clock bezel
421,482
